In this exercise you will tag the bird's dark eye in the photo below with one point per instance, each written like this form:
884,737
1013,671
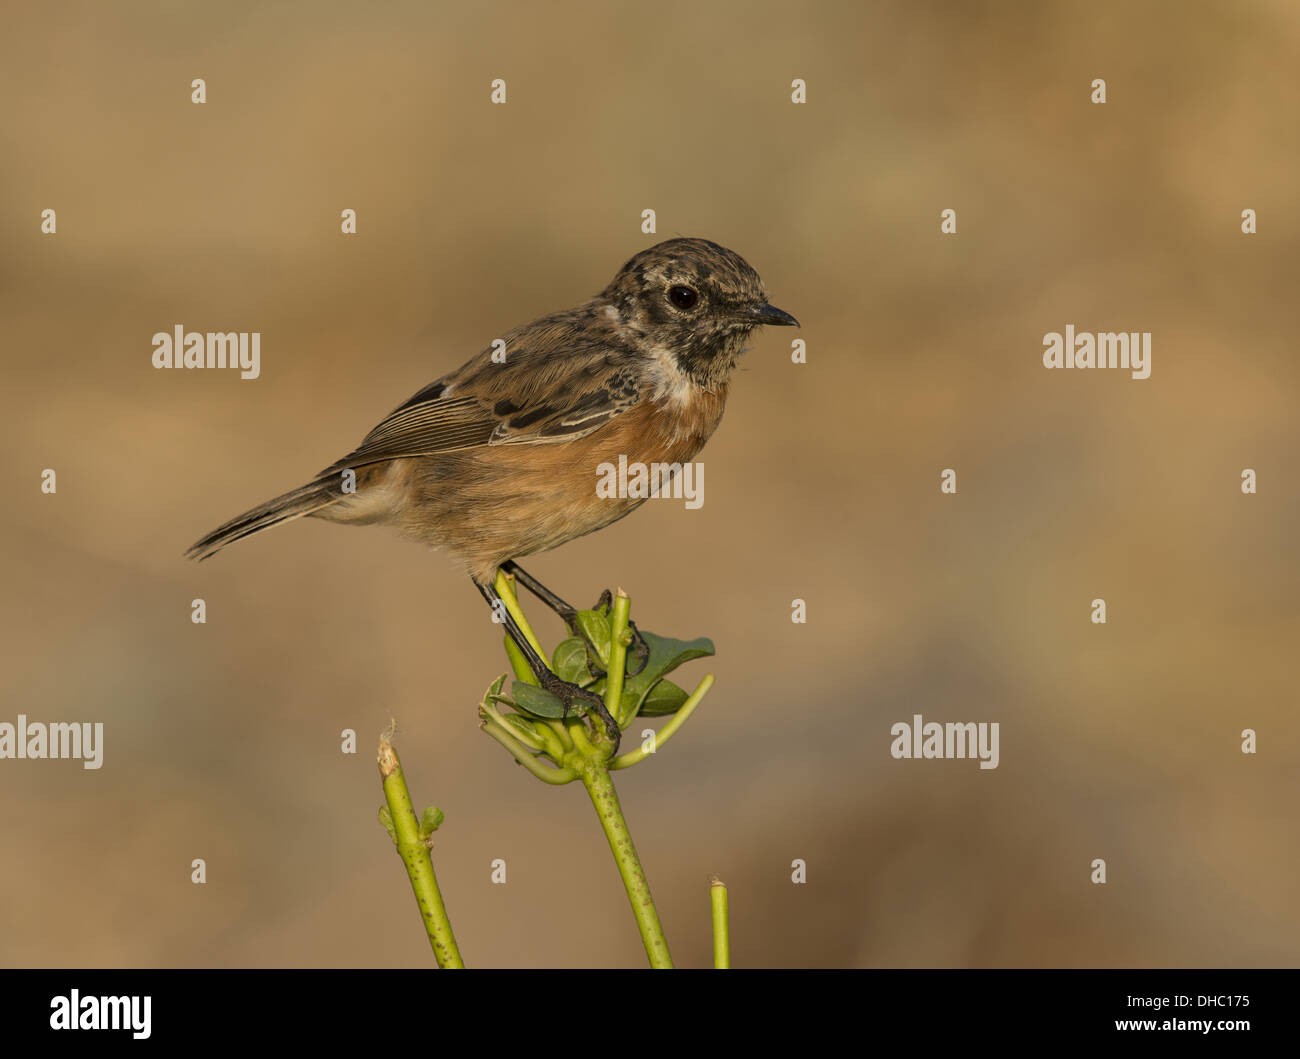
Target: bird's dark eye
683,297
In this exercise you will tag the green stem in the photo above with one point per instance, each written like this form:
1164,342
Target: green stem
520,752
519,663
721,927
618,643
665,733
415,854
505,587
605,799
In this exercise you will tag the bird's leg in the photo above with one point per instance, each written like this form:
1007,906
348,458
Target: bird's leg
567,613
569,694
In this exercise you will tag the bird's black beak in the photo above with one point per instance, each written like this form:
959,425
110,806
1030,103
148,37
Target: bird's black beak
770,314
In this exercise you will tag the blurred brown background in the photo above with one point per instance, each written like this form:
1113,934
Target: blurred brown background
1119,742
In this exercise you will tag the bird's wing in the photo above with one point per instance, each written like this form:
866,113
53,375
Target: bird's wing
542,394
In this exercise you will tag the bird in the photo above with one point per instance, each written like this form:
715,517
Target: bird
498,459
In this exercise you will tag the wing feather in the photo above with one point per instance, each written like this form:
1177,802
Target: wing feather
546,395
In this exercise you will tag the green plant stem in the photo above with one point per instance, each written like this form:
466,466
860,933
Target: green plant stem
505,588
545,773
604,798
415,855
519,663
580,754
629,759
721,927
618,644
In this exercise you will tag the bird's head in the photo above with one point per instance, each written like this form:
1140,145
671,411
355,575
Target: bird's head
696,301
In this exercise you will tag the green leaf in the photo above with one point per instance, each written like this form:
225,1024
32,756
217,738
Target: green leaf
386,818
627,707
494,692
664,698
535,701
594,626
430,820
666,654
570,661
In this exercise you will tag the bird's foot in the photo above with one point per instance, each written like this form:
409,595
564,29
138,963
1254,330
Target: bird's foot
575,697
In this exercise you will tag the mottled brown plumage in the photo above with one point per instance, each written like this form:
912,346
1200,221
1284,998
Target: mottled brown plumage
496,461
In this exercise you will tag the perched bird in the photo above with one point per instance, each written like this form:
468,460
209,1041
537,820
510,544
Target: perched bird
498,459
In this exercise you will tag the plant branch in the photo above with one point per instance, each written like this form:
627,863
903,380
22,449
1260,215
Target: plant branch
520,752
619,639
665,733
721,926
505,588
604,797
581,754
413,845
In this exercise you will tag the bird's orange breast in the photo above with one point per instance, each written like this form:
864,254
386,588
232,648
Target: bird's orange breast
497,502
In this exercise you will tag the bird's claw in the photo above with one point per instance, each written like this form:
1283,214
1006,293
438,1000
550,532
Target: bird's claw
573,696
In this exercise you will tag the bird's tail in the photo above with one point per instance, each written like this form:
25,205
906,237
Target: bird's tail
293,504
